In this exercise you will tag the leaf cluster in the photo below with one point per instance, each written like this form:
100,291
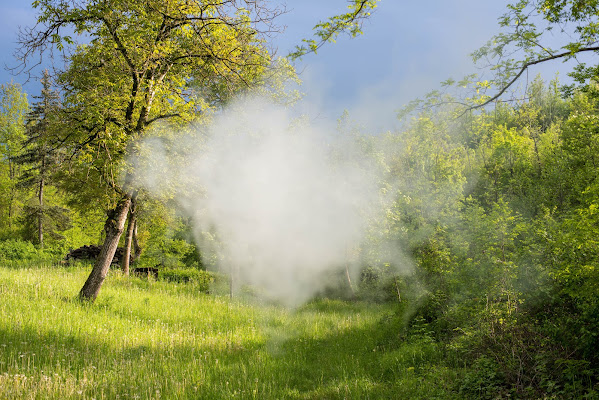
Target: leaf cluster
327,31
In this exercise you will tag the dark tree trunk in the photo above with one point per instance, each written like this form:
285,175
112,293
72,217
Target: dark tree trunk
40,215
12,196
137,249
129,239
114,227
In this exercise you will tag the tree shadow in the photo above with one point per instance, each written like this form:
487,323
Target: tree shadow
345,362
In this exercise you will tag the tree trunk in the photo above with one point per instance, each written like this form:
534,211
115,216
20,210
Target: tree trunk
397,289
347,275
40,215
137,249
114,227
129,239
13,189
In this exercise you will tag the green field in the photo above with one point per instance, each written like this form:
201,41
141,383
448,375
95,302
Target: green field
152,339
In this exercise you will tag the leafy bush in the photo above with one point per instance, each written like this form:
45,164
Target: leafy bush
378,284
14,250
19,252
169,243
483,381
203,279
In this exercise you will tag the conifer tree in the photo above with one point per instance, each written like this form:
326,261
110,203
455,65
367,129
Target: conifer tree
40,158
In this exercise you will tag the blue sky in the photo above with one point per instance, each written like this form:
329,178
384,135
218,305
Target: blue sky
408,47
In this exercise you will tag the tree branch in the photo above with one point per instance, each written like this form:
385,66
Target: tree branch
524,67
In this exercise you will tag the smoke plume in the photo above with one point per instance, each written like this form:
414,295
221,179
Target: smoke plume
275,200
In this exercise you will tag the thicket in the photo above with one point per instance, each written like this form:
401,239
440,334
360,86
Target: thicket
500,211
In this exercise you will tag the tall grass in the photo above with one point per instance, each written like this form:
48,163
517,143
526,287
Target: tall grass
145,339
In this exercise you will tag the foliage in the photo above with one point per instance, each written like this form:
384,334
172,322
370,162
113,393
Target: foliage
528,25
487,253
481,277
533,32
13,108
167,239
327,31
182,58
16,250
199,278
509,282
483,381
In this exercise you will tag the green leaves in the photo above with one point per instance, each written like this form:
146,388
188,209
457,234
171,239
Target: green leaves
514,271
327,31
528,38
13,108
180,58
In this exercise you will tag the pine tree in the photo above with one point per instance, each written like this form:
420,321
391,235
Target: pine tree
41,157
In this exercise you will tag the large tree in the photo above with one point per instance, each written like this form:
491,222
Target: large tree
13,109
130,64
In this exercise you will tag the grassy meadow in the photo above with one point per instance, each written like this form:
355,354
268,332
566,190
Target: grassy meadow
145,339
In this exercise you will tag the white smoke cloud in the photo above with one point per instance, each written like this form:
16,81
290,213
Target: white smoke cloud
286,200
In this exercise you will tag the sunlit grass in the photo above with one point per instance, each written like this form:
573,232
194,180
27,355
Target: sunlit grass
148,340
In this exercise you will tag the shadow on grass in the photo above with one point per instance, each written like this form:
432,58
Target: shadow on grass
98,368
346,362
357,363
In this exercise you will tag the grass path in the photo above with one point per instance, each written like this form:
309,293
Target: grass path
159,340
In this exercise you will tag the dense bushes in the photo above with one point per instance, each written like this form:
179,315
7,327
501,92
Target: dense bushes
16,251
508,273
13,250
199,278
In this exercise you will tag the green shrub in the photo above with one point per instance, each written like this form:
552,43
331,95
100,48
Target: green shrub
483,381
378,284
201,278
15,250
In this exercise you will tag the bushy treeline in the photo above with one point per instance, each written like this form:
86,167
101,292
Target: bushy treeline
499,211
